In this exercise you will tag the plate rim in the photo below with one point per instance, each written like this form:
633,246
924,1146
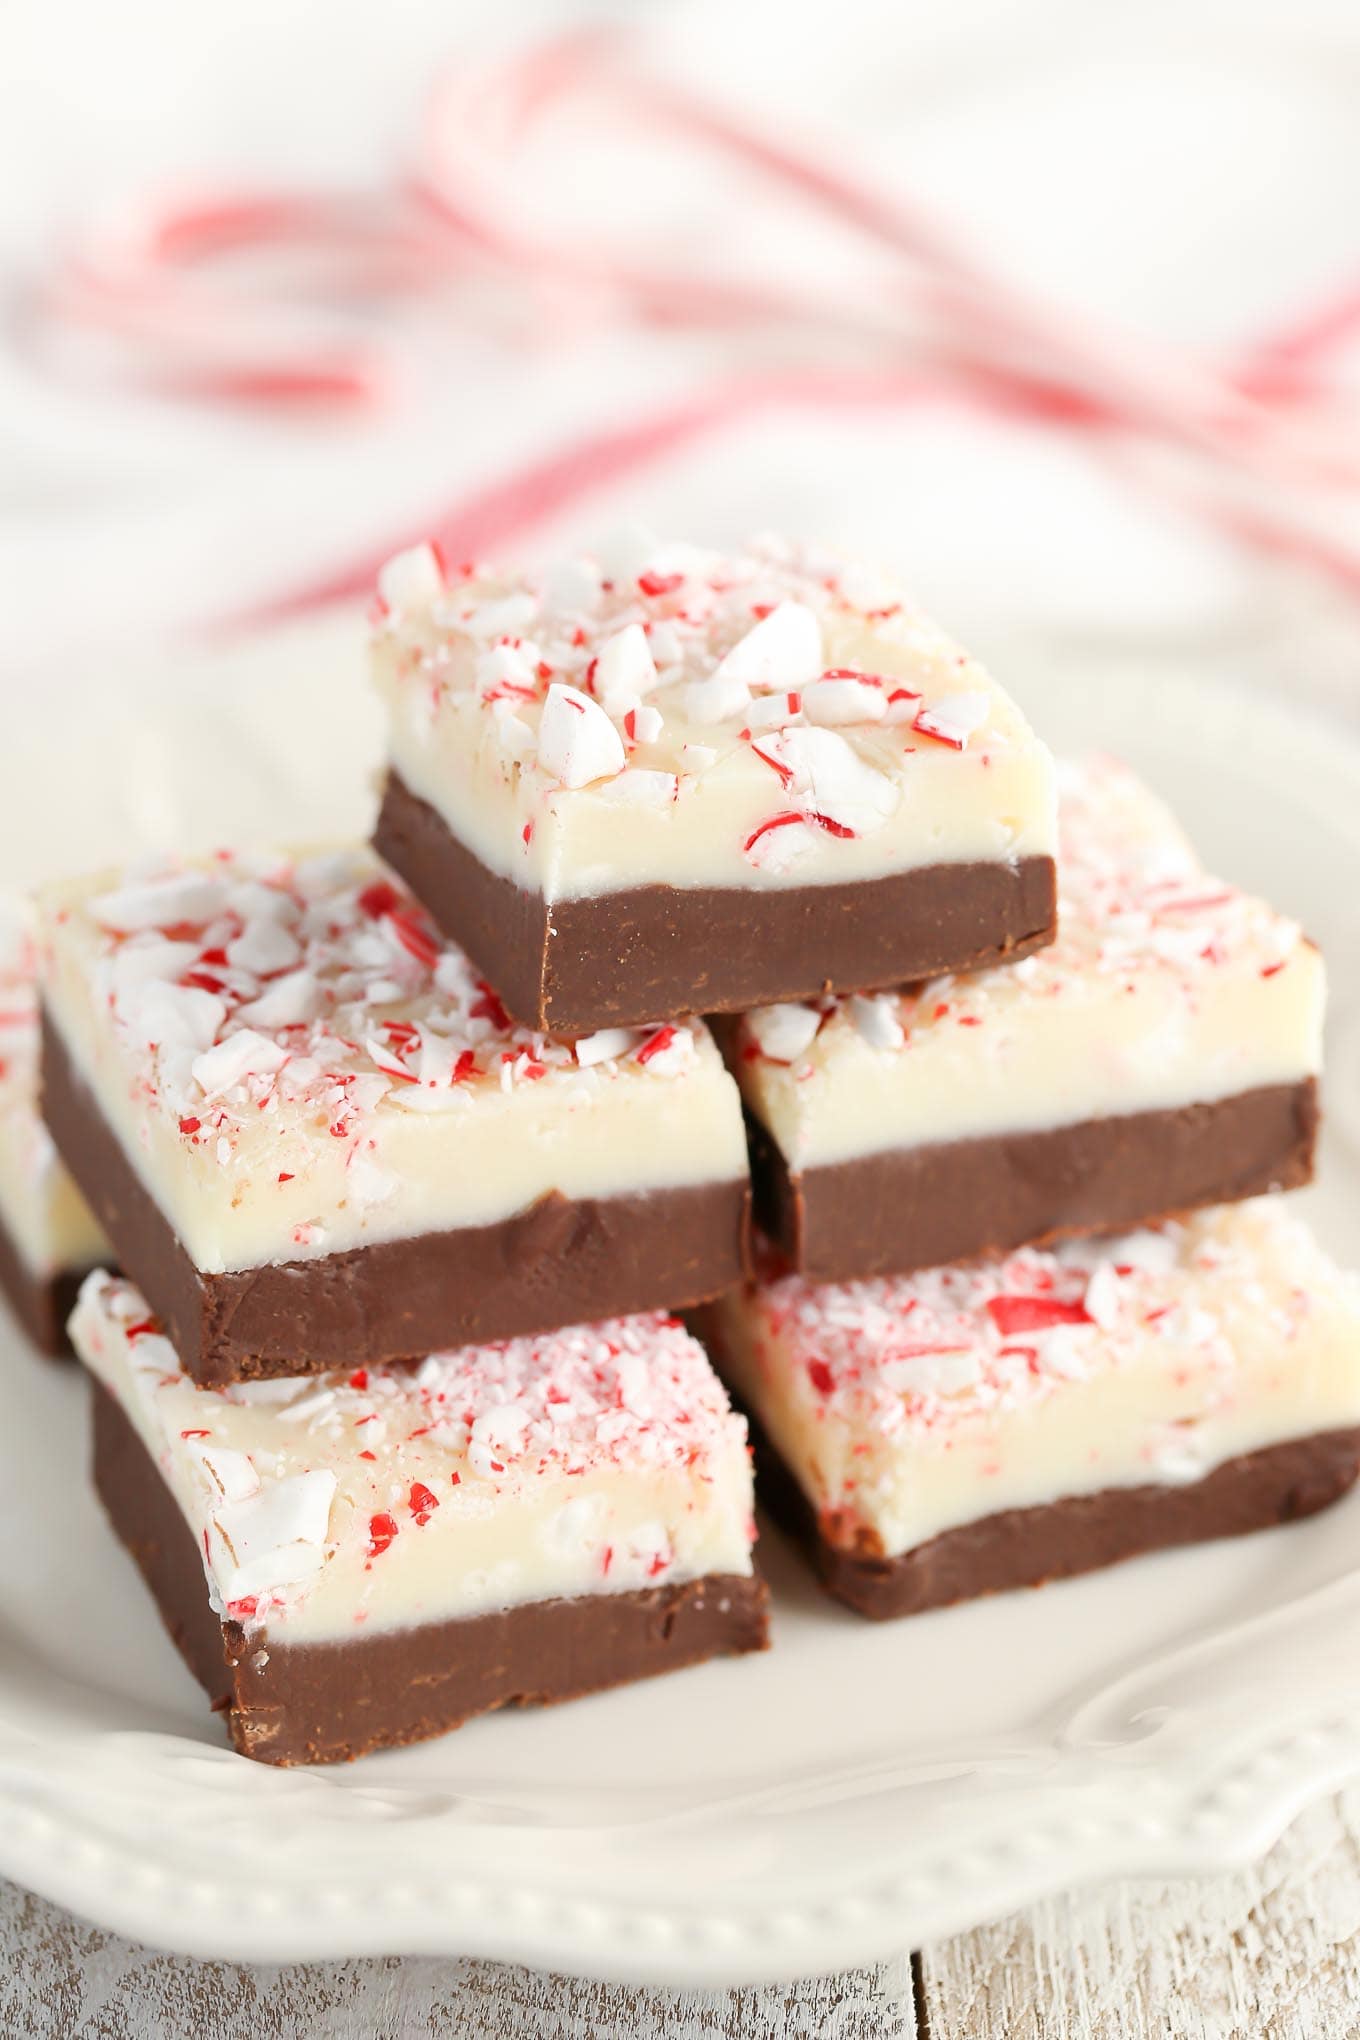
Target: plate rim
1216,1820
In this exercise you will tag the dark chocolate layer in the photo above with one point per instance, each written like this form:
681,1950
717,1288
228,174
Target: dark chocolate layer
1077,1534
561,1262
910,1208
624,958
41,1303
327,1703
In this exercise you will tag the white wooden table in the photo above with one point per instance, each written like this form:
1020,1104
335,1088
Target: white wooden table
1267,1955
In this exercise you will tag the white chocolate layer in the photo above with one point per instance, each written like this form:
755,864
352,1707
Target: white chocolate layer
662,715
597,1460
1164,988
51,1226
296,1065
908,1406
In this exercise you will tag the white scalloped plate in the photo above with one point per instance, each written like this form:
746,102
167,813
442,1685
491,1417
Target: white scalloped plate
858,1790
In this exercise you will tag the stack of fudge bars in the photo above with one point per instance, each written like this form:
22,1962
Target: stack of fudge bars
409,1156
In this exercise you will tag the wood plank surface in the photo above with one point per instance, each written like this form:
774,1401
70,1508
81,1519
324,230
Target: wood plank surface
1270,1954
61,1979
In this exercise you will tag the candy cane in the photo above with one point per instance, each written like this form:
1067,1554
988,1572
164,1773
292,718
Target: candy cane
154,287
464,173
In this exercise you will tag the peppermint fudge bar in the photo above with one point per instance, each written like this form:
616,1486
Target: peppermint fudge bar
960,1431
662,781
316,1139
49,1238
1161,1055
368,1558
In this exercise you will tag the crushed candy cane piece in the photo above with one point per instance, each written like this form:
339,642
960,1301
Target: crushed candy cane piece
849,700
577,742
783,650
624,671
160,903
604,1046
645,724
782,1033
831,780
721,698
876,1021
243,1054
412,579
953,718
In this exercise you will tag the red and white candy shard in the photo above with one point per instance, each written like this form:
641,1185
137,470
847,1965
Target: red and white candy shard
508,694
782,1033
845,700
1164,988
624,670
600,1459
953,718
43,1217
411,579
297,1064
783,650
821,772
577,742
908,1407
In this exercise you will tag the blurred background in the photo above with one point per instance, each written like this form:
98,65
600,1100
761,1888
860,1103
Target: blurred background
1056,306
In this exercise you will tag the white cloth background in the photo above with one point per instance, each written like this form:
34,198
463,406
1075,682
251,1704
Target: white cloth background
1185,172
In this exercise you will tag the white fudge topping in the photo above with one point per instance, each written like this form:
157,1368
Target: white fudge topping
1165,987
48,1221
908,1406
597,1460
296,1064
661,714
